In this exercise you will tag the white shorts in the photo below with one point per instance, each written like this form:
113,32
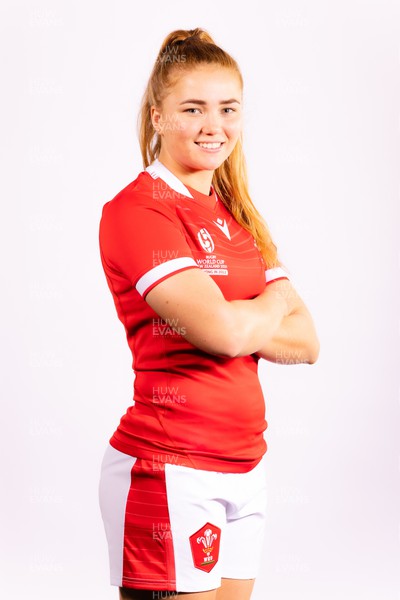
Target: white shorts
175,528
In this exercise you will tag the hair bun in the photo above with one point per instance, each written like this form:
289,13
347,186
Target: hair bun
180,36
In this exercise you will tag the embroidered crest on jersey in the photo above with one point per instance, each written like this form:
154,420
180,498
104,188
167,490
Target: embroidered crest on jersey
205,240
223,227
205,547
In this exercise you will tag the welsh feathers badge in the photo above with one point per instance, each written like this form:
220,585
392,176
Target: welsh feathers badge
205,547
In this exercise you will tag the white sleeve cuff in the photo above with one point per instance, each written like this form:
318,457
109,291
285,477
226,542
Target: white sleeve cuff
275,273
162,270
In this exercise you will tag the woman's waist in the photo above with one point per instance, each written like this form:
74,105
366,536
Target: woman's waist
156,385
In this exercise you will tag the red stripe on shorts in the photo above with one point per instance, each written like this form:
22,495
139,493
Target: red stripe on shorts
148,547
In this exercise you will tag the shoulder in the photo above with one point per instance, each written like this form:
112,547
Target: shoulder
138,199
137,214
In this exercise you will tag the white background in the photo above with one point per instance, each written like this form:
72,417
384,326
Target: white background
322,144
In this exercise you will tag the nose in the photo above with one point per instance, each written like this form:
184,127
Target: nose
211,123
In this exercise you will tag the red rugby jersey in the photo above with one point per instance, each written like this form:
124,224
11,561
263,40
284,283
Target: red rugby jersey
189,407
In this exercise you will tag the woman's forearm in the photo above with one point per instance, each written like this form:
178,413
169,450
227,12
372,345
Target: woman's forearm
294,342
256,321
193,301
277,326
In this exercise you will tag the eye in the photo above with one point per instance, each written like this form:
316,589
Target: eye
189,109
231,109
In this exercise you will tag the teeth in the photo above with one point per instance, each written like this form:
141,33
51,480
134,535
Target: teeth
210,145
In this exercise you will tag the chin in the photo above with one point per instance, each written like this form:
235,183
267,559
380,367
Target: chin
206,162
209,164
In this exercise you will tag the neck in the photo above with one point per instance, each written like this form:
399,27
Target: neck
198,180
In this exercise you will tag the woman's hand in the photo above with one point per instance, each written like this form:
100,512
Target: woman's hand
295,340
284,291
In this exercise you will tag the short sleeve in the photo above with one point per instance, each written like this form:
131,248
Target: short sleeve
276,273
144,242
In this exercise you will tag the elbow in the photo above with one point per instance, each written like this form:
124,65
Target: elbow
232,350
229,337
224,346
220,336
313,352
229,345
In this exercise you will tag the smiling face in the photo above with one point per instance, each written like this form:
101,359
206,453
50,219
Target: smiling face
199,122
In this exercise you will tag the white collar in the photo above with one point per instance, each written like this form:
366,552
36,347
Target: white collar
158,170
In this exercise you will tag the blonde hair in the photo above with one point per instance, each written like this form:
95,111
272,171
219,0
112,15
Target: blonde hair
181,51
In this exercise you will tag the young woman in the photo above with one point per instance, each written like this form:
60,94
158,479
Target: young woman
201,293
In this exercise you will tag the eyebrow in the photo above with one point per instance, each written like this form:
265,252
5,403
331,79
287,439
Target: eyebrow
202,102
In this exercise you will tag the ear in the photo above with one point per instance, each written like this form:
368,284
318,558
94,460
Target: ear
155,115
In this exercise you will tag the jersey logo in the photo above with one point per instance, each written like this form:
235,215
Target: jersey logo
205,547
223,227
205,240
